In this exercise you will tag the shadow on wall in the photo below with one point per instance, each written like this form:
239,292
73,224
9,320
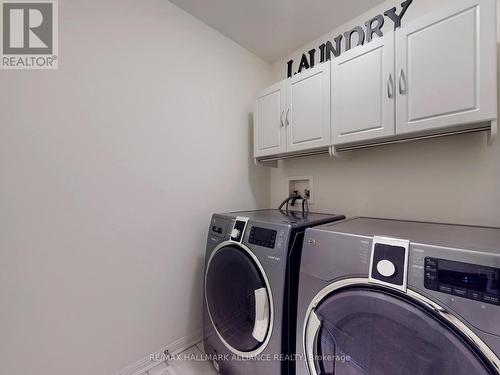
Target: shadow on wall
197,297
258,175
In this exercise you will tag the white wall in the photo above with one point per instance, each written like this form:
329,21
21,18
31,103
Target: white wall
454,179
109,170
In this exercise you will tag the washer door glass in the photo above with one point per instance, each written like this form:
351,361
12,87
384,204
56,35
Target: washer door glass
364,331
237,299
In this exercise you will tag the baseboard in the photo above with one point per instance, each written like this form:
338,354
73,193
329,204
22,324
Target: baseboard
155,358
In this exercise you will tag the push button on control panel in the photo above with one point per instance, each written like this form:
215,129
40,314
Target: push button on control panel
445,288
386,268
472,294
430,281
235,233
488,298
461,292
219,227
432,276
431,262
216,229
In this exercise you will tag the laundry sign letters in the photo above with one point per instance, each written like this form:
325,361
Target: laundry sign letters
364,34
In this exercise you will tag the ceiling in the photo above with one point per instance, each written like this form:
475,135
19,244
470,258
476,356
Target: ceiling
273,29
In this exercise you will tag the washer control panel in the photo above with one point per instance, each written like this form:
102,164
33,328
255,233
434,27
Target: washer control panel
464,280
262,237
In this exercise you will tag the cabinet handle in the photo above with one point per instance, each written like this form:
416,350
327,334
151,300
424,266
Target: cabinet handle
390,87
287,111
281,118
402,82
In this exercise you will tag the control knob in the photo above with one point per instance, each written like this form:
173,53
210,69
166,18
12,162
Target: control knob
386,268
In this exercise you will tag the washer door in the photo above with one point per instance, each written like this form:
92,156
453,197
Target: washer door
378,332
239,299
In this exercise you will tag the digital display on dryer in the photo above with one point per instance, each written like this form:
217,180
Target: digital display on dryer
262,237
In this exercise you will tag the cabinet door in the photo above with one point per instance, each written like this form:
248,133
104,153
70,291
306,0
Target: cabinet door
269,133
363,92
446,66
308,109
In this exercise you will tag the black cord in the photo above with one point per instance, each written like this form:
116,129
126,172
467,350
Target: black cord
285,201
305,203
293,197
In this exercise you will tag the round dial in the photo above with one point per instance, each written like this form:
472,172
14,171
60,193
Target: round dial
235,233
386,268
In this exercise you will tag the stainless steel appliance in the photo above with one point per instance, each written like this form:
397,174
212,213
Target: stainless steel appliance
251,282
388,297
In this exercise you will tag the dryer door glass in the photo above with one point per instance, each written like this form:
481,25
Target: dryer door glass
365,331
237,299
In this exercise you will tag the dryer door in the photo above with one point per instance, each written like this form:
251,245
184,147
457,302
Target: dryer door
239,299
364,330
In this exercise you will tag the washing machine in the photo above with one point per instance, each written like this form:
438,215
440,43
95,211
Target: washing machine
251,283
388,297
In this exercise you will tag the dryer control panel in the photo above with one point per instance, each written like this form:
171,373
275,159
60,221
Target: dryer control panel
464,280
262,237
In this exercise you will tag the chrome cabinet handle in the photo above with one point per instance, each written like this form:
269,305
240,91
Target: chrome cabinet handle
281,118
390,87
402,82
286,118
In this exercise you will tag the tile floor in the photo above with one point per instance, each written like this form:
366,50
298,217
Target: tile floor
189,362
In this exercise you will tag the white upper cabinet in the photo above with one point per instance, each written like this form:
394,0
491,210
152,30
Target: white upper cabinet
269,127
446,68
363,92
307,116
434,75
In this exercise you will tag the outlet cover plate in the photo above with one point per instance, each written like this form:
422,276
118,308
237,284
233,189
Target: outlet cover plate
300,183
